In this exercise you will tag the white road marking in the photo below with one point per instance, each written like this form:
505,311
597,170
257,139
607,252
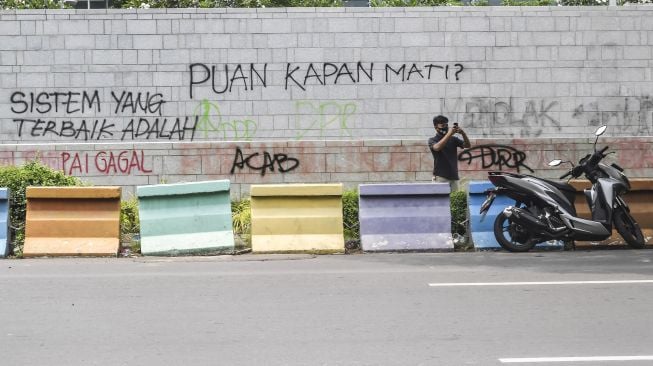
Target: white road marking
466,284
576,359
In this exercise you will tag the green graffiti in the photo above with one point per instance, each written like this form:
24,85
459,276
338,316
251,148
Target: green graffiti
321,116
210,121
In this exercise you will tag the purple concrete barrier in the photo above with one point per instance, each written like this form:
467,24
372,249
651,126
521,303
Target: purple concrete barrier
405,217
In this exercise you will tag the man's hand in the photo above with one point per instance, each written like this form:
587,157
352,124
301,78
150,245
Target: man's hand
466,143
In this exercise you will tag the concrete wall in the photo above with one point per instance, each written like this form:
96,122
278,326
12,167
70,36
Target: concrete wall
168,91
349,162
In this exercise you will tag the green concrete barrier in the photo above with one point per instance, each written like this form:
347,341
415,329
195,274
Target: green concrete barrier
72,221
186,218
303,218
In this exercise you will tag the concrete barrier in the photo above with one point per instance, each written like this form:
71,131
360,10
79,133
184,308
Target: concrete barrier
640,201
297,218
481,230
4,222
405,217
186,218
72,221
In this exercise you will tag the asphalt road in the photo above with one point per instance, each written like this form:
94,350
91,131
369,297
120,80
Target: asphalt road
364,309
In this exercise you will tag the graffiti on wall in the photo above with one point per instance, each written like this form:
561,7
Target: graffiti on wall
123,162
263,163
632,115
223,78
322,116
495,116
34,119
211,121
495,156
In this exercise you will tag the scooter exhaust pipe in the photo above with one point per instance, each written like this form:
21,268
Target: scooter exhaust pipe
524,218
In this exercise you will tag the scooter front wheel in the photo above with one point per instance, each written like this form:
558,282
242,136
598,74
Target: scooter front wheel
628,228
511,236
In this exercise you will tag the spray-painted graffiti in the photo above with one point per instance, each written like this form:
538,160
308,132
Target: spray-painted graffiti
499,156
34,120
48,102
264,163
222,79
492,116
210,121
322,116
632,115
124,162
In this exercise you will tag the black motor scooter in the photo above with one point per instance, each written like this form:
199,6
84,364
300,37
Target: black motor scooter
544,209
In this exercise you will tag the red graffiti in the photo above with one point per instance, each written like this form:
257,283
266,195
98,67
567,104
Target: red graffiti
123,162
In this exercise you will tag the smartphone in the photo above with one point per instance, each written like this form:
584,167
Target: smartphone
455,125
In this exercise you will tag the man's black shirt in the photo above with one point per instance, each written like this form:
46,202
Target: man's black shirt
445,161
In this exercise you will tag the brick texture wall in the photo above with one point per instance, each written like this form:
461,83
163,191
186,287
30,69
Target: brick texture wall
134,97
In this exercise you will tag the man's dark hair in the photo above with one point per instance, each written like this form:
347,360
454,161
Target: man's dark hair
440,119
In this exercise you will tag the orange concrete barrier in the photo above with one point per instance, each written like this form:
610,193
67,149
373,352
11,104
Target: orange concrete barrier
640,201
72,221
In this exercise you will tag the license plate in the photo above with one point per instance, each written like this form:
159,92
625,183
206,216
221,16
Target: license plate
488,202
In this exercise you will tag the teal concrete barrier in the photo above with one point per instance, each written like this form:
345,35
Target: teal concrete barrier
4,222
186,218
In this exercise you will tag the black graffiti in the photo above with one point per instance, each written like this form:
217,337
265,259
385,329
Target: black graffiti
321,74
329,73
85,130
161,128
201,73
139,102
282,162
495,155
223,78
47,102
424,72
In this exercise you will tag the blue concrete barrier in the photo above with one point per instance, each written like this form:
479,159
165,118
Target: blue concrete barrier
186,218
481,230
4,222
405,217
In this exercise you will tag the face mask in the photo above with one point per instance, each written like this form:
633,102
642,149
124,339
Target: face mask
443,130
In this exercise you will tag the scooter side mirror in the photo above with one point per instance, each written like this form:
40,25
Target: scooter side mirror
600,131
555,162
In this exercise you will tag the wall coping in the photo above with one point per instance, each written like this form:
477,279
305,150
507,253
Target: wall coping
285,190
404,189
101,192
177,189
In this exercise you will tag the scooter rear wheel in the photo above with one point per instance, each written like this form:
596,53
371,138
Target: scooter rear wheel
628,228
511,236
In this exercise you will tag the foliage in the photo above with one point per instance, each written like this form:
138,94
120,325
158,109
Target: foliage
528,2
582,2
33,4
17,179
129,221
241,220
350,214
412,3
459,212
226,3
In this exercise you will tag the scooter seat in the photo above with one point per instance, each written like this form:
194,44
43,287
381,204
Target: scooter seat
562,186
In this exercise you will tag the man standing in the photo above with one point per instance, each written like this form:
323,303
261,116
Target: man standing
444,147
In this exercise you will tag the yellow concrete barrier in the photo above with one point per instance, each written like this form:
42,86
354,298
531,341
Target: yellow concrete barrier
72,221
303,218
639,199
